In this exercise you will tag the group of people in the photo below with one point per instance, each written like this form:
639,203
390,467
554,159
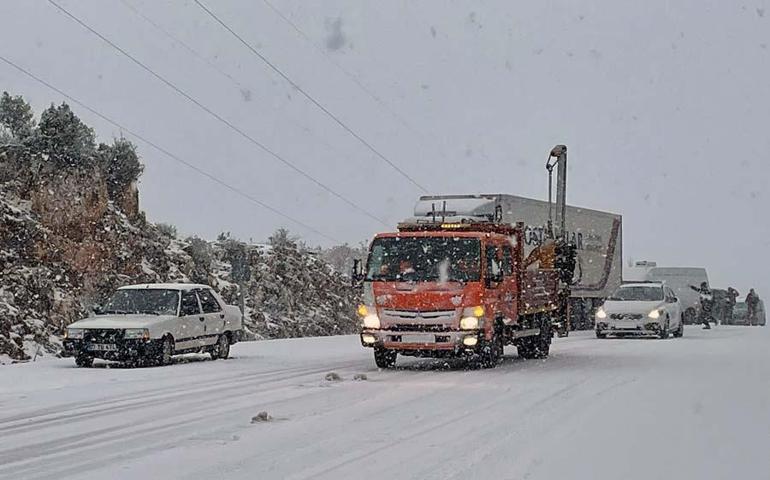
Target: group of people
709,304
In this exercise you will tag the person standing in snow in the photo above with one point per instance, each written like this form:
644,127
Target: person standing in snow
732,299
706,304
752,302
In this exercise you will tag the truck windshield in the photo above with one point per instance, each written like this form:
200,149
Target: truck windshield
146,301
425,259
639,294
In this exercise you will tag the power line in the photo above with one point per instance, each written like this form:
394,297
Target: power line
351,76
245,135
309,97
167,153
229,77
181,43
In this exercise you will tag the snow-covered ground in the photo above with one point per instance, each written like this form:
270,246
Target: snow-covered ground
691,408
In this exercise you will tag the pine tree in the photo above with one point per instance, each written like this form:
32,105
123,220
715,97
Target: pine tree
120,164
65,138
16,116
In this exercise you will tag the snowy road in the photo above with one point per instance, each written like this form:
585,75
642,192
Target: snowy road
691,408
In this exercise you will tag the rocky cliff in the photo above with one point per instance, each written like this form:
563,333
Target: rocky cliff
68,238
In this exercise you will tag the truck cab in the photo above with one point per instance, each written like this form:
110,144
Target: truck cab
454,290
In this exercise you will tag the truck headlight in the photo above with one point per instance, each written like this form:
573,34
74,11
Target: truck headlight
136,333
601,314
654,314
470,323
372,321
74,333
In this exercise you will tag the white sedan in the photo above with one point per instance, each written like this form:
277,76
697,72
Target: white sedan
147,324
649,308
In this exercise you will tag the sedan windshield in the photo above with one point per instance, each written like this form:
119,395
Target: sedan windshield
638,294
146,301
425,259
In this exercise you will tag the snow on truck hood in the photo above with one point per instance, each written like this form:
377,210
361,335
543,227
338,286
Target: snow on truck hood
616,306
120,321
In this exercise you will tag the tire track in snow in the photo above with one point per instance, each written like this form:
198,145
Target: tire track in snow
190,413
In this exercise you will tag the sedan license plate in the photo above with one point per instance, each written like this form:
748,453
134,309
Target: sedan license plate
418,338
103,347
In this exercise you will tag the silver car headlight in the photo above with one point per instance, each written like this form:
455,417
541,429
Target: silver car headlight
655,314
74,333
601,314
136,333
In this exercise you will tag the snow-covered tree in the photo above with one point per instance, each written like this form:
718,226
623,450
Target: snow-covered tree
16,116
64,137
120,164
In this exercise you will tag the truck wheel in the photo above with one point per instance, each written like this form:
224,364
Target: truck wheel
222,348
600,335
384,358
84,361
542,342
166,351
663,334
492,351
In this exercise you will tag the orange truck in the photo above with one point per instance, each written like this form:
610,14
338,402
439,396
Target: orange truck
449,284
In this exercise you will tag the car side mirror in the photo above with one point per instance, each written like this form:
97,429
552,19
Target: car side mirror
97,309
673,300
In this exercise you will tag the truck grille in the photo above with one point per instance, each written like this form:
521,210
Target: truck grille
418,327
437,316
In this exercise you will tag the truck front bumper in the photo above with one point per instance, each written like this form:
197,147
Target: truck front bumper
425,343
121,350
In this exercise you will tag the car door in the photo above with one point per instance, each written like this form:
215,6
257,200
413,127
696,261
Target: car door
191,322
673,308
214,314
509,285
493,280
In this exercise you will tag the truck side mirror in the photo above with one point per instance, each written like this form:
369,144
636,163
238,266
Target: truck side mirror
357,275
493,278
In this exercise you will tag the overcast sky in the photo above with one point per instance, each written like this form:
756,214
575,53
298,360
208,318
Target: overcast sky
665,108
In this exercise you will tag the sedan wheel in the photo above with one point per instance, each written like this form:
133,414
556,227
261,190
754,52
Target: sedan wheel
664,330
84,361
166,351
222,348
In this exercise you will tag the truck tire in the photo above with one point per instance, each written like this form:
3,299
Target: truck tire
84,361
384,358
538,346
600,335
222,347
492,351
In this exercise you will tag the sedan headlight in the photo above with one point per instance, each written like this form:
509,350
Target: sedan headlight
372,321
601,314
74,333
654,314
136,333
